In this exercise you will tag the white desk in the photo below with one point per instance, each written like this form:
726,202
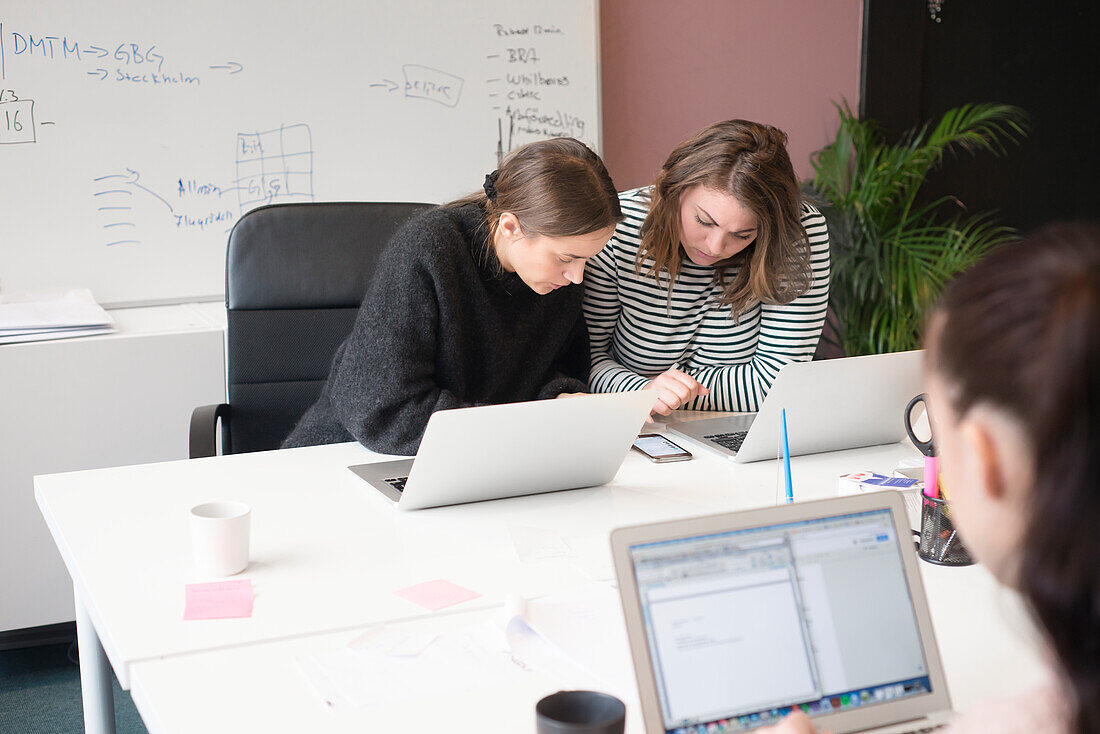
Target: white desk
327,553
261,688
986,651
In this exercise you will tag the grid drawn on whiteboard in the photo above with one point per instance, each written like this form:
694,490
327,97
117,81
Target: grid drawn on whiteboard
274,166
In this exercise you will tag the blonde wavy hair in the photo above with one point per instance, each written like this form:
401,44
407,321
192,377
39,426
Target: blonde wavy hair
748,161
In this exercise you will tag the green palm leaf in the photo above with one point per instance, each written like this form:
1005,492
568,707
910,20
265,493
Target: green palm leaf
892,259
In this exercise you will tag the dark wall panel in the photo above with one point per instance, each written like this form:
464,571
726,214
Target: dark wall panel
1040,56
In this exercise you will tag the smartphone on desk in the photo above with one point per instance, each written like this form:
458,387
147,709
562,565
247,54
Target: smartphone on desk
659,449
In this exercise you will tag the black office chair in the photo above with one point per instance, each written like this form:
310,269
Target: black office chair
831,345
295,276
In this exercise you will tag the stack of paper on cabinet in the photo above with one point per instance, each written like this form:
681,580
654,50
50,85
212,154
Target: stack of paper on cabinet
31,317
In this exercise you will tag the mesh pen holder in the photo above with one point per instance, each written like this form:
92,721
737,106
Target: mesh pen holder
939,539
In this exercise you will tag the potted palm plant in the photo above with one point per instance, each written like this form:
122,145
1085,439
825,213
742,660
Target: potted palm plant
891,255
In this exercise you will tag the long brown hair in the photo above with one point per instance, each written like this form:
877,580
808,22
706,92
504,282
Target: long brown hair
1021,331
749,161
555,188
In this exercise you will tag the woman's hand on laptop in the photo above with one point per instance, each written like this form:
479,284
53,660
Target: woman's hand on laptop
794,723
674,389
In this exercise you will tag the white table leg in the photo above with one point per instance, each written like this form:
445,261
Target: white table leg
95,675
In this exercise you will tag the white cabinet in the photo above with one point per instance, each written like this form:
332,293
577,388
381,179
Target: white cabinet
87,403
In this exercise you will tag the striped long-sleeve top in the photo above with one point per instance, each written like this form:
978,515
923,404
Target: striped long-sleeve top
637,332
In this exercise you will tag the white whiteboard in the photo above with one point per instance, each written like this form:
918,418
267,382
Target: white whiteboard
134,134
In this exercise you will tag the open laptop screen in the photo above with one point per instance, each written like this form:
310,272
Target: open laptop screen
742,626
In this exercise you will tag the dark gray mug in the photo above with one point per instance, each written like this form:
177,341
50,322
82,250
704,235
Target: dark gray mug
580,712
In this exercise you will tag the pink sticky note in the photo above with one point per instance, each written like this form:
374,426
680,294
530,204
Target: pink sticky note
436,594
219,600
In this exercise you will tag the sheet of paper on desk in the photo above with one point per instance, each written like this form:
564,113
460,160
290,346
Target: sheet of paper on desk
472,658
540,656
537,544
587,626
393,642
592,557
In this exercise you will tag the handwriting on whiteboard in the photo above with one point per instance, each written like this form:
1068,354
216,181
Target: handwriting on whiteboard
424,82
525,85
127,62
16,118
272,167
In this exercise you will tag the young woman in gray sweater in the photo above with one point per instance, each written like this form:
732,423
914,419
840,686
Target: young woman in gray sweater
476,302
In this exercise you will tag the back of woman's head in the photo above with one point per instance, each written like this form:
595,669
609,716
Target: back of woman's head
555,188
1020,331
748,161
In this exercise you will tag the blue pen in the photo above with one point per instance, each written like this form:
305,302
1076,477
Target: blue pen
786,458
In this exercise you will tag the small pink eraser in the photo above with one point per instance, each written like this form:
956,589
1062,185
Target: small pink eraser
931,472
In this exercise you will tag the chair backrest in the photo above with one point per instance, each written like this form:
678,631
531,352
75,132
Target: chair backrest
831,344
295,276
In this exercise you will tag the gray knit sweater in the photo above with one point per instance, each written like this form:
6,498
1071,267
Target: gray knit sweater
443,326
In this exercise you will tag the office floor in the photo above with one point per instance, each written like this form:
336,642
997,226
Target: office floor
40,693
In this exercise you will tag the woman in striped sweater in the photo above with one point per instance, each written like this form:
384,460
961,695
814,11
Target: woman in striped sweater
716,278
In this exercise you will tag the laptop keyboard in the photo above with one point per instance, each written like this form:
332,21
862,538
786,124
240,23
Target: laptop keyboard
397,483
731,441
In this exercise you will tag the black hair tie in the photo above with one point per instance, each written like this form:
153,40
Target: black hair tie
490,185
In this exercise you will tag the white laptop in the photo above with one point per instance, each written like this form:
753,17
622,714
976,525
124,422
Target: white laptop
734,620
494,451
831,405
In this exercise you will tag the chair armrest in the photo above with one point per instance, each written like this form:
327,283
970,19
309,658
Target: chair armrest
204,430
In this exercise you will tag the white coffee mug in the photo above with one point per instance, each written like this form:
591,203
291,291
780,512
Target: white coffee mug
219,534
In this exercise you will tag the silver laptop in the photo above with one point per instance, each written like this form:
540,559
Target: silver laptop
831,405
494,451
734,620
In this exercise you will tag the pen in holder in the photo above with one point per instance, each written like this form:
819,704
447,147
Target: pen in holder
939,539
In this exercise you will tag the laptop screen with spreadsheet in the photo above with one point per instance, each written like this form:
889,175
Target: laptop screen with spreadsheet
745,625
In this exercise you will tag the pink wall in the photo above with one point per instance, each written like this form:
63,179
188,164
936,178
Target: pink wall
670,67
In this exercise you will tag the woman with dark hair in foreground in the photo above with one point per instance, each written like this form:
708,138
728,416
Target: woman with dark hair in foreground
1013,378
